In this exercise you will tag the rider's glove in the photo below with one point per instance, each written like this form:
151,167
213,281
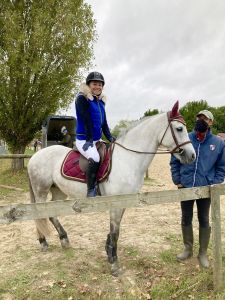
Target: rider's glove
87,145
112,139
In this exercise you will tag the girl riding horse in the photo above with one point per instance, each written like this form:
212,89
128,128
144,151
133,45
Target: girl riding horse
91,122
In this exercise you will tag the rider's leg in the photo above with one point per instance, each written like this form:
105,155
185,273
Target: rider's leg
91,177
93,164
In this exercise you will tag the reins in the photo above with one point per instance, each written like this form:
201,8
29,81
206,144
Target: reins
174,150
142,152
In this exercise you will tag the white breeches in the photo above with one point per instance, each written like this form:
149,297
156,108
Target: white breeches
91,152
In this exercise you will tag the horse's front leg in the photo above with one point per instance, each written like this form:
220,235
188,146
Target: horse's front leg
112,238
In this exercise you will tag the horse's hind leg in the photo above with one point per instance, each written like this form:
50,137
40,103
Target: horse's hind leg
41,237
112,238
58,195
42,224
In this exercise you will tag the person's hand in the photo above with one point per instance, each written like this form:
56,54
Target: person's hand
180,186
87,145
112,139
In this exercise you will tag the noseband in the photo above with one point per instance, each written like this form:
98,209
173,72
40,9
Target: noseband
178,118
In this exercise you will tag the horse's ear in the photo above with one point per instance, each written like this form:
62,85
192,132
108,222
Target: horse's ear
175,110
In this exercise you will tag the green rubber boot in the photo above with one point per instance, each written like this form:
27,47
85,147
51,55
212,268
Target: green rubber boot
204,236
187,232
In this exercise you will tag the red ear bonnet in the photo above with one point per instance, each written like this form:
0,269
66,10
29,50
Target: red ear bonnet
175,110
174,113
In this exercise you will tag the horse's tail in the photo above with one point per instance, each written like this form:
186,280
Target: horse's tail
42,225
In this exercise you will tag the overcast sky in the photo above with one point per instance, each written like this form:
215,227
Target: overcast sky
153,52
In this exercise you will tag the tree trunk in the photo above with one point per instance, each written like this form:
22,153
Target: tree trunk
18,163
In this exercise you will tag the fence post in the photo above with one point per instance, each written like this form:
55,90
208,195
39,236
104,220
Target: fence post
44,137
216,237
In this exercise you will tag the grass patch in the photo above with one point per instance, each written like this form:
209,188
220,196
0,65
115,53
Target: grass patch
29,151
149,181
18,179
86,275
8,177
16,285
184,286
131,251
4,192
168,256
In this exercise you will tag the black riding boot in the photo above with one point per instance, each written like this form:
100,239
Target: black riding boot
91,177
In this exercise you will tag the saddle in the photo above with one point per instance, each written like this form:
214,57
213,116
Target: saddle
75,165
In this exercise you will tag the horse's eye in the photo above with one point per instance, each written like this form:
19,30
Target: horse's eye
179,128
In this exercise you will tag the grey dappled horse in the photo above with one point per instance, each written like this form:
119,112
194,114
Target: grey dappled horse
127,173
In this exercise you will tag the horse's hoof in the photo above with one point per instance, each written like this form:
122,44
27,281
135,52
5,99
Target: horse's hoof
65,243
44,247
115,269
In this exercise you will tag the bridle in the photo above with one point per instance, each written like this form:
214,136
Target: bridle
176,149
179,119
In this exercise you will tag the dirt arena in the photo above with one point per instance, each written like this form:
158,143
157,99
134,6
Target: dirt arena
150,229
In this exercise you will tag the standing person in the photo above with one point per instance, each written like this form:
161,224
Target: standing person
35,145
208,168
91,123
66,140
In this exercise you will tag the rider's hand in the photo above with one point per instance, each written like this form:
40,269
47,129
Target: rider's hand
87,145
112,139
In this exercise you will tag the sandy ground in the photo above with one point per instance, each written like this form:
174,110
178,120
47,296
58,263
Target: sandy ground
150,229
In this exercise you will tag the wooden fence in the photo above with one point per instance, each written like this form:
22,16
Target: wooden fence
13,156
18,212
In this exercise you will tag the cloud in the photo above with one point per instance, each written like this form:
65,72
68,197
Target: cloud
152,53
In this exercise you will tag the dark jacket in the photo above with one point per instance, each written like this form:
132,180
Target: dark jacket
91,117
209,166
66,141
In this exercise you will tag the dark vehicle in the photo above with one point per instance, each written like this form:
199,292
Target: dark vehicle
53,127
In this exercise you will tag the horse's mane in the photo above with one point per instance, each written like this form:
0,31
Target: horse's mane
133,124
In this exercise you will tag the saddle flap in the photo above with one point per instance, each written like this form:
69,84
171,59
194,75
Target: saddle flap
75,164
83,161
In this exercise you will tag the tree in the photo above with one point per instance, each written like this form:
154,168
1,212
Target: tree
219,119
121,127
44,47
190,110
151,112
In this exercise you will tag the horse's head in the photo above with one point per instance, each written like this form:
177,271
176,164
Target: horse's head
175,136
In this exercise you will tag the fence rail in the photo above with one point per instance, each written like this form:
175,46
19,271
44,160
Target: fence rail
12,156
18,212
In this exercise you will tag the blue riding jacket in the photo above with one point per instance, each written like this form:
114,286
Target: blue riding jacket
209,166
91,119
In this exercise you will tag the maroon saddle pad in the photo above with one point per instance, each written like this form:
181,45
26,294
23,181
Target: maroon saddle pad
71,166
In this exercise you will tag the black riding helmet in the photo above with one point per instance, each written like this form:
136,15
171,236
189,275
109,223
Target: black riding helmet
95,76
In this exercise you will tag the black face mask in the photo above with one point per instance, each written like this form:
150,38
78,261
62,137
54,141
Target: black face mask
201,126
